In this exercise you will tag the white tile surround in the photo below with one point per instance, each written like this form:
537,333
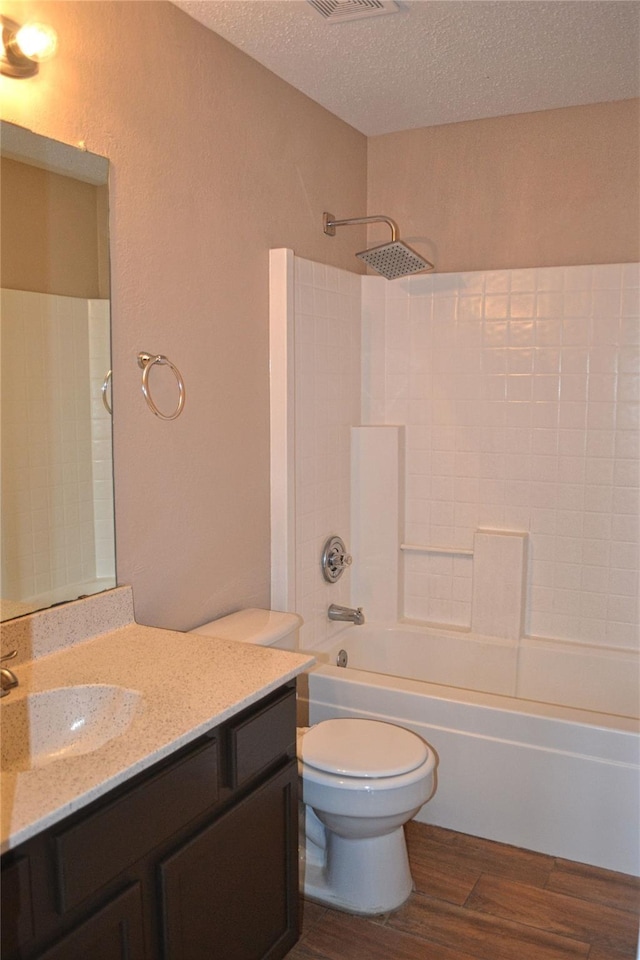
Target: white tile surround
101,441
519,392
324,395
56,437
377,501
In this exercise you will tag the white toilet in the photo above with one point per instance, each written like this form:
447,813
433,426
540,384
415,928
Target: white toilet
362,780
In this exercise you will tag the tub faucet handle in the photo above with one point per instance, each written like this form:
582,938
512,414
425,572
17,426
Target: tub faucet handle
335,559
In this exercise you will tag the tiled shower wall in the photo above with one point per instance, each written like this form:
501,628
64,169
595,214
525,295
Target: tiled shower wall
101,441
56,445
327,404
520,393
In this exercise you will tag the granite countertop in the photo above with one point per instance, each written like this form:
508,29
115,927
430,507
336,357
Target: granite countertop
188,683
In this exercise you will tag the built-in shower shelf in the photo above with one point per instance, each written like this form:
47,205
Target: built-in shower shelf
440,551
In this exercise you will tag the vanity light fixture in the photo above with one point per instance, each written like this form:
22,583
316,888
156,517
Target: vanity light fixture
24,47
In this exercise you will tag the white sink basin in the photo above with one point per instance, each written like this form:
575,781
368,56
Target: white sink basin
38,728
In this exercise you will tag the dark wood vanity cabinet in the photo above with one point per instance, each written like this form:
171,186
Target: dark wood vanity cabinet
248,845
194,859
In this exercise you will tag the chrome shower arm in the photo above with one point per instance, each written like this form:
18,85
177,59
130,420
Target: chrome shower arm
330,224
391,260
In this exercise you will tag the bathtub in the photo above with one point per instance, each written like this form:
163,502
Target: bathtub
562,780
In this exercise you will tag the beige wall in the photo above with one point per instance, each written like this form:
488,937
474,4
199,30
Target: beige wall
214,161
532,190
50,227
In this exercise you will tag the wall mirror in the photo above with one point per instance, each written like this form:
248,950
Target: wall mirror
57,509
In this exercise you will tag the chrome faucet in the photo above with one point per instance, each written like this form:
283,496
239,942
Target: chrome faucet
336,612
9,679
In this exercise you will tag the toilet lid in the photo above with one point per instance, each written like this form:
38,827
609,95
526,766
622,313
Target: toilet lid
362,748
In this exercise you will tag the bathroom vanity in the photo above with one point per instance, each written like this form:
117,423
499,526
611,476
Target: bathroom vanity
196,857
190,851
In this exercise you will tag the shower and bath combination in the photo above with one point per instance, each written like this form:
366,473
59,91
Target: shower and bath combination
392,260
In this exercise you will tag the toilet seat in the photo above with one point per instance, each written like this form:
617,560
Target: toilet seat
364,749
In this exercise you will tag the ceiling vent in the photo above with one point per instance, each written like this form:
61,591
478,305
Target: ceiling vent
337,11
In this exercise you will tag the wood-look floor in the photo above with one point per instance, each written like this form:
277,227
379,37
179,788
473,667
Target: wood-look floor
479,900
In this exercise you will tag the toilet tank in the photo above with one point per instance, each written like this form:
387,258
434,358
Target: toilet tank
267,628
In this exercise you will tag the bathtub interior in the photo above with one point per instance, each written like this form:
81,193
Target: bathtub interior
565,674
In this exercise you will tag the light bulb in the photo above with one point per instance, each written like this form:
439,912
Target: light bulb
37,41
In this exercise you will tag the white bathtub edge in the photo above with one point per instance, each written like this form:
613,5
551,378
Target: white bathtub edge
554,784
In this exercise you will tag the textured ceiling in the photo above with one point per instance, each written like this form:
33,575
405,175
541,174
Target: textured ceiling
440,61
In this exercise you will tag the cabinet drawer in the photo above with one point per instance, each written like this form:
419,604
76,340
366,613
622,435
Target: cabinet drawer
105,843
261,738
113,933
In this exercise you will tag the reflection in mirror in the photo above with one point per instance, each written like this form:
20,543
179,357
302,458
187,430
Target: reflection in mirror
57,464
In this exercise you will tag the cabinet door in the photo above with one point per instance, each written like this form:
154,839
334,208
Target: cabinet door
231,893
113,933
17,907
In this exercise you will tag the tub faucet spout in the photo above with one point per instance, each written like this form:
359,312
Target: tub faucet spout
349,614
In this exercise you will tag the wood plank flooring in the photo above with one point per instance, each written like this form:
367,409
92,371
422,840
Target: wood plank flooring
479,900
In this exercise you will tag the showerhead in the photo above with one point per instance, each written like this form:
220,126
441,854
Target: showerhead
392,260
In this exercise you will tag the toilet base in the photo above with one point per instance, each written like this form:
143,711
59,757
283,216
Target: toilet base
363,876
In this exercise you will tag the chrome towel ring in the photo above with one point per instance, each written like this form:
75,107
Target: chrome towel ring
145,362
105,386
